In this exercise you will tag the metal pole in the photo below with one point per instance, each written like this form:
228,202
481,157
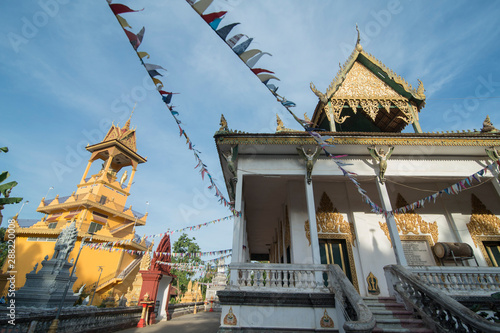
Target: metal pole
96,285
55,322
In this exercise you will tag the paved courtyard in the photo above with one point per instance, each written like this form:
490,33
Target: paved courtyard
202,322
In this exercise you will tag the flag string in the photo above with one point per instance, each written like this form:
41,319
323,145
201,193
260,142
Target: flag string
166,96
250,59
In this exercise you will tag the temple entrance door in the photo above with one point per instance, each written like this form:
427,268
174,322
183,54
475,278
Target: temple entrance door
334,251
493,250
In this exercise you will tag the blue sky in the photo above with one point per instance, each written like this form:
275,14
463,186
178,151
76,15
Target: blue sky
67,70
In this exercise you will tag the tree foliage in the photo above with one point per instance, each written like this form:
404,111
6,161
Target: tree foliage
185,245
3,247
6,188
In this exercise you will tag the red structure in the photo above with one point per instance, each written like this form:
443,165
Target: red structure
151,281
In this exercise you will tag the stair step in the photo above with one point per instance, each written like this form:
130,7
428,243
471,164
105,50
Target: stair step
393,317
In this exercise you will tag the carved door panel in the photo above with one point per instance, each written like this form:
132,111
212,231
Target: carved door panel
493,250
334,251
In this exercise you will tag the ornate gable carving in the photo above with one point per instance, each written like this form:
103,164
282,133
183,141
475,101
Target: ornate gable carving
330,221
411,222
124,135
362,83
482,221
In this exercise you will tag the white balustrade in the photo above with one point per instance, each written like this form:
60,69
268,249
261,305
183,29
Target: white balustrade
280,277
460,280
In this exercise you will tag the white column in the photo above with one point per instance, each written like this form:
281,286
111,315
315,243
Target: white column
391,224
238,228
311,213
243,233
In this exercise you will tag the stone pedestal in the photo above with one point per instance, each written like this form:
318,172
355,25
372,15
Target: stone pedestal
45,288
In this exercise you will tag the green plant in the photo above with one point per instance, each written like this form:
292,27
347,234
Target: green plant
6,188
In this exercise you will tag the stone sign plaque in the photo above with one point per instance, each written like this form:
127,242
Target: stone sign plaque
418,253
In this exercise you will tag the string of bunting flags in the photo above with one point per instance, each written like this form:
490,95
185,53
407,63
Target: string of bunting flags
453,189
166,96
195,227
112,247
250,59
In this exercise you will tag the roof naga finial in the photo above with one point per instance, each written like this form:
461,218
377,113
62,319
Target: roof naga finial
359,48
320,95
420,89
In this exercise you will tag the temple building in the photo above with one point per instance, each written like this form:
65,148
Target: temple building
99,208
301,215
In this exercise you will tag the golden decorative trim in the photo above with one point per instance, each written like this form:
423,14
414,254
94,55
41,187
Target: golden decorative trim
372,283
230,318
360,81
354,140
386,104
341,74
482,221
329,220
417,93
145,262
326,321
370,107
482,248
403,106
411,222
336,107
280,127
350,255
351,61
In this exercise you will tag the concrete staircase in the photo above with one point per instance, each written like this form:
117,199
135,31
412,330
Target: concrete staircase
393,317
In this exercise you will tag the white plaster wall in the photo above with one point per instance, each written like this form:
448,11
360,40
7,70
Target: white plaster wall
300,248
375,251
280,317
162,296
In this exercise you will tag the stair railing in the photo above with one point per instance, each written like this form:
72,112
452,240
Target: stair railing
358,317
440,312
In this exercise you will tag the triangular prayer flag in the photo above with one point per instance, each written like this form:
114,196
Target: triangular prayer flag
152,67
209,18
224,31
260,70
201,6
123,22
119,9
239,49
157,82
250,63
233,40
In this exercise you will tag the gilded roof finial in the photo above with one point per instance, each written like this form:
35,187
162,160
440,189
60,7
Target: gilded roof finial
280,126
359,48
488,126
318,93
306,118
223,124
420,90
127,124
